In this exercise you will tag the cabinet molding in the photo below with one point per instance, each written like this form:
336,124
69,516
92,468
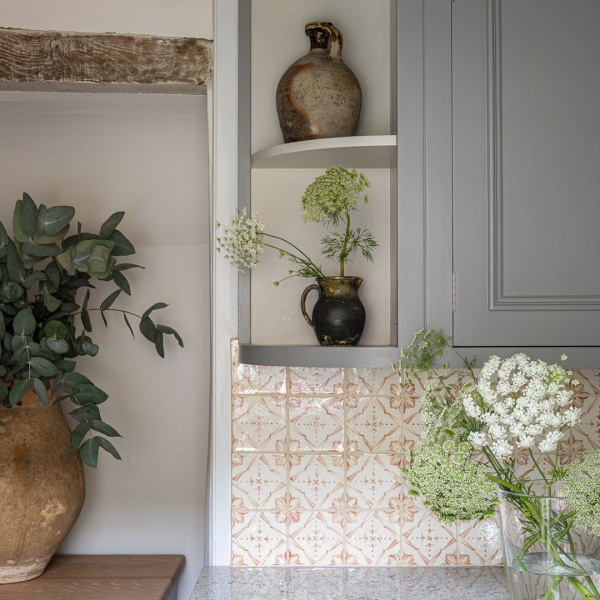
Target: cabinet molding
29,58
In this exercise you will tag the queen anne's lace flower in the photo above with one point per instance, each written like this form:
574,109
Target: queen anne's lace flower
518,402
452,485
582,490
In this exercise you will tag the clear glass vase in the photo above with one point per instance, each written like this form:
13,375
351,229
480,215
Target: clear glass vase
546,556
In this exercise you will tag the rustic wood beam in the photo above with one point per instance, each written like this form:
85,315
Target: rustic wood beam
31,58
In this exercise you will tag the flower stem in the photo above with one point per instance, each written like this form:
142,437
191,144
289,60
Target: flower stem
344,252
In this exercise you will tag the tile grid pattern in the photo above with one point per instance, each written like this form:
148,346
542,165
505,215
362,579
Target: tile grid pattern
316,478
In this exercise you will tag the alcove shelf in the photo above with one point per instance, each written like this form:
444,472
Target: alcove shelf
360,152
272,177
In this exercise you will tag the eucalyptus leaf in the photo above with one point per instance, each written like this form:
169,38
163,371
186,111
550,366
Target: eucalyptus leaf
56,329
73,380
105,428
18,390
79,433
89,452
24,323
40,389
127,266
42,366
51,303
154,307
89,412
51,221
32,248
85,319
109,301
148,329
24,218
106,445
89,393
56,345
108,227
3,391
122,246
170,331
159,344
122,282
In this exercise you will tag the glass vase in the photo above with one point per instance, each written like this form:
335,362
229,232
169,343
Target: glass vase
546,556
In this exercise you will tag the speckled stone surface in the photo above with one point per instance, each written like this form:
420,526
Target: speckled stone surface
351,583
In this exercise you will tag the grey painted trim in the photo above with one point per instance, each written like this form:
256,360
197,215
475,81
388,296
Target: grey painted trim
577,357
244,146
319,356
437,128
411,156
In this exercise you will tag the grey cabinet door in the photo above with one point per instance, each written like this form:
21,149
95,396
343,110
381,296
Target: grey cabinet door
526,172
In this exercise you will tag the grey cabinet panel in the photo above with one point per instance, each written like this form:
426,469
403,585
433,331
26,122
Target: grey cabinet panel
526,172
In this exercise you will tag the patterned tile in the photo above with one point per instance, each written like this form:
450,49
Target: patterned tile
317,481
258,423
255,379
373,423
316,538
258,479
258,540
372,539
374,481
317,423
373,382
428,541
305,380
480,542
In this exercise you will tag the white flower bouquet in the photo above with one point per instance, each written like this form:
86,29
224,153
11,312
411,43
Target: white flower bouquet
465,466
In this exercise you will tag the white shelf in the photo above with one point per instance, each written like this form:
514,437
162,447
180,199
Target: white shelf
360,152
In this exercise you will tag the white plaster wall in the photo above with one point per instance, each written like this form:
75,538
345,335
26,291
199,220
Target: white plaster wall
147,155
183,18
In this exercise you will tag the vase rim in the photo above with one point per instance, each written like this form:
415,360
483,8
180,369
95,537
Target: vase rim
339,277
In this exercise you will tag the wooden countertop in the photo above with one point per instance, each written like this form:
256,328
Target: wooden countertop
101,577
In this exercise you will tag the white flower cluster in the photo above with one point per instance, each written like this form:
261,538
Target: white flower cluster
242,243
520,402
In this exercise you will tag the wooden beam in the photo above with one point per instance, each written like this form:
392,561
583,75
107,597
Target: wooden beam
59,57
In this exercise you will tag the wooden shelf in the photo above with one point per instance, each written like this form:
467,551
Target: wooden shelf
102,577
319,356
360,152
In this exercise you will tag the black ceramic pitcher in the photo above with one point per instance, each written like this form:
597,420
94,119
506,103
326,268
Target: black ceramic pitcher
338,316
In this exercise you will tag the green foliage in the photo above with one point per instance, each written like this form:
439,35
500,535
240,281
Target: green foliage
329,200
45,323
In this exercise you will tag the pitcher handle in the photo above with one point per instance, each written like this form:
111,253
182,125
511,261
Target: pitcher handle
305,293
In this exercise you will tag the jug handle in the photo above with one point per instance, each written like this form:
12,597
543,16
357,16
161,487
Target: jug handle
336,42
305,293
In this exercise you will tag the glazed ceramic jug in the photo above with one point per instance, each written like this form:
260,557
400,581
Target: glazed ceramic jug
338,316
319,96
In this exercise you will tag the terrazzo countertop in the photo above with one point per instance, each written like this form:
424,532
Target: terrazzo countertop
351,583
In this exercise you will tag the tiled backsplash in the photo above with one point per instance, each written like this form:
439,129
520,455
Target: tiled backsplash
316,463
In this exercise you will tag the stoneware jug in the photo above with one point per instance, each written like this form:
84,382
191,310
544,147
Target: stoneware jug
338,316
319,96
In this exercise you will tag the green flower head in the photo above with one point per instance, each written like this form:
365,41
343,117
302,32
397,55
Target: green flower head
330,197
582,490
453,486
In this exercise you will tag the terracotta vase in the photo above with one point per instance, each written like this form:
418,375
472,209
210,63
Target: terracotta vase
338,316
319,96
42,487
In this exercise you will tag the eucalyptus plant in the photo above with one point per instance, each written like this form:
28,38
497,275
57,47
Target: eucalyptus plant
46,323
